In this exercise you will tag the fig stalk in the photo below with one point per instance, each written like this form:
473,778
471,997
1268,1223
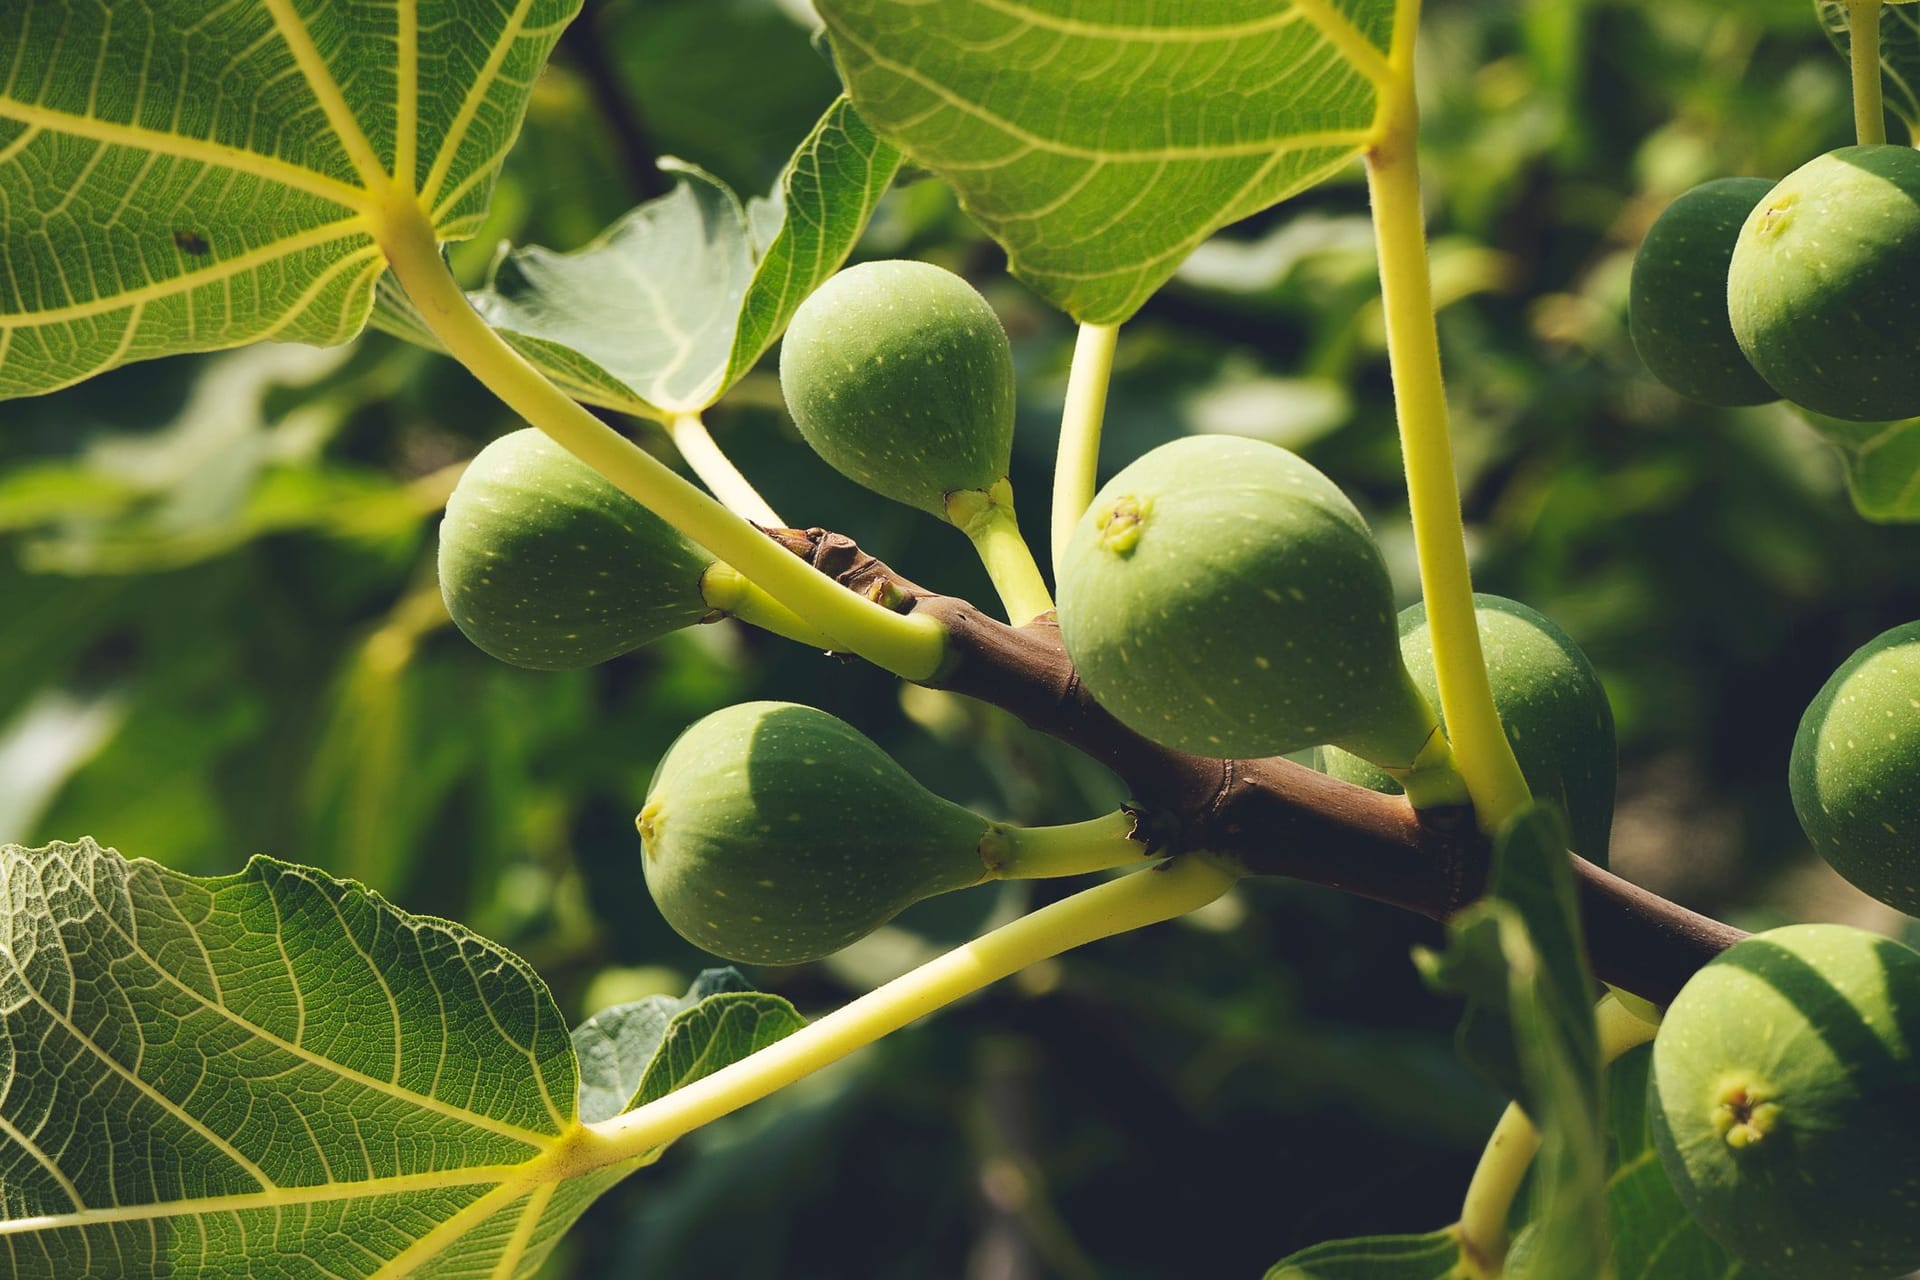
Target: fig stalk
987,518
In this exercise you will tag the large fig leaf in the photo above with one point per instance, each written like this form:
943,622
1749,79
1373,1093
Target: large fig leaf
1101,142
678,299
198,1076
185,176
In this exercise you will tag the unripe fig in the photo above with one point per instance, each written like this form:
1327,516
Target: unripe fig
1855,772
545,564
775,833
1820,289
901,377
1785,1102
1678,308
1223,597
1551,705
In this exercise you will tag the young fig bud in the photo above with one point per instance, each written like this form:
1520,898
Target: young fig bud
774,833
1223,597
545,564
1855,771
1784,1097
901,377
1550,702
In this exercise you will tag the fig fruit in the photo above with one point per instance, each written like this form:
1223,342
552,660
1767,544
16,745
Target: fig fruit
1551,705
1855,771
900,376
1784,1098
1677,311
1223,597
545,564
1820,288
775,833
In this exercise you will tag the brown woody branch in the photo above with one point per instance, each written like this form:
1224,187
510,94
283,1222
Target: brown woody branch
1273,817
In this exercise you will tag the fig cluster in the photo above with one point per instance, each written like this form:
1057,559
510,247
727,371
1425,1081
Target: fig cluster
1746,291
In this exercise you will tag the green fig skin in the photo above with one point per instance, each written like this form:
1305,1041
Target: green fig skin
1820,289
1223,597
545,564
1855,771
901,377
775,833
1551,704
1677,312
1785,1102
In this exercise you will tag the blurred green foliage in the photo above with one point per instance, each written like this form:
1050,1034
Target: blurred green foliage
219,634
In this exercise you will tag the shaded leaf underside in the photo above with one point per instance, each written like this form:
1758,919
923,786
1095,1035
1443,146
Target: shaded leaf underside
176,176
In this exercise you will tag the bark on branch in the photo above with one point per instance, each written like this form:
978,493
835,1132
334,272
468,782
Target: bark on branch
1273,817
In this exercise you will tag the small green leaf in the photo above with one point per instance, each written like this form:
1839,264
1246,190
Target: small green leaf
1882,460
617,1045
184,176
1653,1236
1100,143
1434,1256
1519,958
1899,52
677,300
201,1073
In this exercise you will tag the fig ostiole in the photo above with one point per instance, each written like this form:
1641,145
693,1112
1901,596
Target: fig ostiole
1677,308
1551,705
1820,286
1855,769
1223,597
775,833
1785,1102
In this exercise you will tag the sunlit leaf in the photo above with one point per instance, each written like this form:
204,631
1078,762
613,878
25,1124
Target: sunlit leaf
1434,1256
1899,52
183,176
676,301
1100,143
204,1073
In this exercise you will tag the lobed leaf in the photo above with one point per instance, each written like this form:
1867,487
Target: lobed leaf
1100,143
677,300
209,1077
182,176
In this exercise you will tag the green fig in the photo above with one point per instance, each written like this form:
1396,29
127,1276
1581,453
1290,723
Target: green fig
1855,771
900,376
1677,312
1223,597
1820,288
1785,1102
1551,705
774,834
545,564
